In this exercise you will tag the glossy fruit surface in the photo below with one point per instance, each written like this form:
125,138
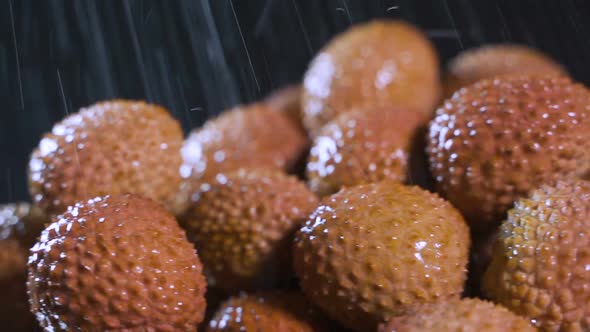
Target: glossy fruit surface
381,64
467,315
370,252
540,268
108,148
254,136
496,140
268,312
119,264
362,147
242,225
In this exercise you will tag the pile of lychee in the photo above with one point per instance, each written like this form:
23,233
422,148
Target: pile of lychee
373,197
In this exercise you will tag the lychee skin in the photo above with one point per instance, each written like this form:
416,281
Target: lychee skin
491,61
242,224
109,148
379,64
459,315
116,264
268,311
362,147
540,266
20,224
496,140
370,252
250,136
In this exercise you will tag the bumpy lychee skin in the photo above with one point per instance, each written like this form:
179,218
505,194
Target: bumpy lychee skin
378,64
266,312
361,147
494,141
254,136
108,148
468,315
496,60
540,267
243,223
20,224
116,264
369,252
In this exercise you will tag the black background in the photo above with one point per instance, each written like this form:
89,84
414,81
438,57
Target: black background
198,57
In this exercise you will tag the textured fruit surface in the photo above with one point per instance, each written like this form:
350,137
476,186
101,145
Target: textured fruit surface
371,251
116,264
254,136
496,140
108,148
361,147
467,315
242,225
20,224
378,64
541,263
288,101
268,312
496,60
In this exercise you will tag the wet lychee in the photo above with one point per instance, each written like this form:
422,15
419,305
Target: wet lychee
361,147
468,315
254,136
496,60
108,148
20,224
369,252
381,64
116,264
541,263
268,312
242,224
496,140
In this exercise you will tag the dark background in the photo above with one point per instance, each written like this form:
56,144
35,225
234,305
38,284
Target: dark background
198,57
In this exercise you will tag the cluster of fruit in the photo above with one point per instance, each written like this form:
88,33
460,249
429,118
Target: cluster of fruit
148,229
